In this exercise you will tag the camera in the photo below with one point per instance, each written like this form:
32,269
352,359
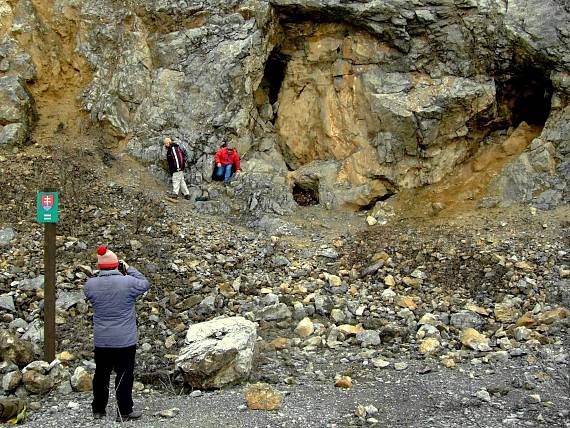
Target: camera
122,267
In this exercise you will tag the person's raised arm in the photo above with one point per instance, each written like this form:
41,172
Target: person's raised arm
139,284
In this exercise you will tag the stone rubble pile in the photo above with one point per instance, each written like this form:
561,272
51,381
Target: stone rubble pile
280,303
423,294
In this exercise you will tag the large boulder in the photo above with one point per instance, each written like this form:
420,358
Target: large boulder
15,61
6,235
17,111
15,350
218,352
11,380
40,377
81,380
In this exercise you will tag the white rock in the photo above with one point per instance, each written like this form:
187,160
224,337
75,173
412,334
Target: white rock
305,327
218,352
400,366
388,294
371,410
73,405
380,363
522,333
337,315
535,398
483,395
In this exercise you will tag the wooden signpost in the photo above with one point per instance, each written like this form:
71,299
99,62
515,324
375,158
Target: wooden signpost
47,210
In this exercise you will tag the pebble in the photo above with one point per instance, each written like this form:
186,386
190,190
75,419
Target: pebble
483,395
343,382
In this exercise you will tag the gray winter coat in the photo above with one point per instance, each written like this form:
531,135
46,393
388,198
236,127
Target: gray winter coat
113,297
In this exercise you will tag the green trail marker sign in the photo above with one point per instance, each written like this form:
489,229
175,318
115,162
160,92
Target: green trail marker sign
47,207
48,214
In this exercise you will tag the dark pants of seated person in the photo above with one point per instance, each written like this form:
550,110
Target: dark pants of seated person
226,171
122,361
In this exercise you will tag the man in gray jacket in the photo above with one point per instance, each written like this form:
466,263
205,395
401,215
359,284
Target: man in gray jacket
113,294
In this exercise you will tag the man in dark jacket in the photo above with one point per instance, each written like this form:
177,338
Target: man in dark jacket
113,294
176,158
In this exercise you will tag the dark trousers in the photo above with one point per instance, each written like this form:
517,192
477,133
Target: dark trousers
122,361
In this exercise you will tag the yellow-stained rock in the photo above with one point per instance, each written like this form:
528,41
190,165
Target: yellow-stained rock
412,282
389,281
535,335
280,343
334,280
553,315
382,255
475,340
350,329
65,357
527,267
261,396
313,342
517,141
505,312
343,382
407,302
226,290
299,289
477,309
309,297
305,327
429,346
527,320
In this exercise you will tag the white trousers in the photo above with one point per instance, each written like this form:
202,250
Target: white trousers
178,183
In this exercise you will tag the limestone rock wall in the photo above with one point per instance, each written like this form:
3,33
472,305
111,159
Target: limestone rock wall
352,99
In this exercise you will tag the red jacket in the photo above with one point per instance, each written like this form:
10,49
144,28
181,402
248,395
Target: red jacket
222,156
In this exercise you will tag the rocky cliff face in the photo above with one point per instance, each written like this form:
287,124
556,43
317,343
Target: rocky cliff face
350,101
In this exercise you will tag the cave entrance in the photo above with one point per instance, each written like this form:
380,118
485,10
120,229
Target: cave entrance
267,94
306,194
375,200
525,96
274,74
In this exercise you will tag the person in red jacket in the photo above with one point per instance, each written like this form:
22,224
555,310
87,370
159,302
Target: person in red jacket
227,162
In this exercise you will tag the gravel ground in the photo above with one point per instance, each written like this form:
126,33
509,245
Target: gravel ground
421,395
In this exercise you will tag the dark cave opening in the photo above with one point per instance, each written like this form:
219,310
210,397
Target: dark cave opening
373,202
306,195
274,74
267,94
525,96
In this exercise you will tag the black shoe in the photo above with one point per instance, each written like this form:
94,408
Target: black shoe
97,415
187,197
135,414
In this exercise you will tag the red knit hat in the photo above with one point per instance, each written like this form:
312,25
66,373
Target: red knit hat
106,259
